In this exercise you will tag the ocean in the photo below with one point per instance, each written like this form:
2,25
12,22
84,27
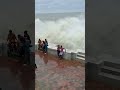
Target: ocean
66,29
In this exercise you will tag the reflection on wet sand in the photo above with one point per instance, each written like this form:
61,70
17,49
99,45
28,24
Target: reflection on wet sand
55,74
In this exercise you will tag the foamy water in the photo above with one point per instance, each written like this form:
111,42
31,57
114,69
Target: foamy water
67,31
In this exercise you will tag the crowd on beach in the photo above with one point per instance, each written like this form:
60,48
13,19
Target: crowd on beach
43,46
19,46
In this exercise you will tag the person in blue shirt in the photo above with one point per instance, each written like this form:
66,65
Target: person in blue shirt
46,46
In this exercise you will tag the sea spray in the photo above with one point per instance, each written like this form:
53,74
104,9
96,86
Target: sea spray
68,31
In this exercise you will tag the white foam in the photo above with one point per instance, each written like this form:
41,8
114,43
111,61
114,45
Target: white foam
69,32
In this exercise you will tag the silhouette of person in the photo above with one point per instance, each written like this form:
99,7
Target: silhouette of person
46,46
26,35
39,44
11,39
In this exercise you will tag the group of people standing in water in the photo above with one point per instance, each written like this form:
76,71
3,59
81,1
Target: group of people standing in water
43,45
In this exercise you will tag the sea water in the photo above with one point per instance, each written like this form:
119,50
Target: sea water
66,29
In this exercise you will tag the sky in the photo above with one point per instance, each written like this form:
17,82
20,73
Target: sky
58,6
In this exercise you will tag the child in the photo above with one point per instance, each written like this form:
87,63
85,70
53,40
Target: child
61,52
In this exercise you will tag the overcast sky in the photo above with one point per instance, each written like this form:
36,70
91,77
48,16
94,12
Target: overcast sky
56,6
